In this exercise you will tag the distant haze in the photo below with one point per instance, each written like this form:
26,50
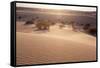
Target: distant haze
58,7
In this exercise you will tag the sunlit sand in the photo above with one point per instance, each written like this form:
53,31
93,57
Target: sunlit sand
56,45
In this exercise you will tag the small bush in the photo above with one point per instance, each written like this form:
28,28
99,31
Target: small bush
19,17
43,25
86,26
52,23
29,22
92,31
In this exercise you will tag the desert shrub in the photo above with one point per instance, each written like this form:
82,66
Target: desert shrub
64,22
38,25
43,25
92,31
52,23
67,23
86,26
61,26
29,22
19,17
37,18
72,23
81,24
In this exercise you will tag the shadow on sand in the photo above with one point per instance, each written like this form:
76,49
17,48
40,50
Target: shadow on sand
40,31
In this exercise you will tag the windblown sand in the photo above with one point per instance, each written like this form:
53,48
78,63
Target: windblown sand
54,46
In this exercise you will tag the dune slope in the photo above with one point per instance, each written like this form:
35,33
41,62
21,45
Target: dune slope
54,47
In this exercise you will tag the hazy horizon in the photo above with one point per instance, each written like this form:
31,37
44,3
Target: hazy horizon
57,7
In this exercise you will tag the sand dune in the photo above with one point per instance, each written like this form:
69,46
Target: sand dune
54,46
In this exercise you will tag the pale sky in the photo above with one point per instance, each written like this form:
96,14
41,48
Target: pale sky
45,6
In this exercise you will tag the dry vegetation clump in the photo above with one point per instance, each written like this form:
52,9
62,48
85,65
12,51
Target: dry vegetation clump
29,22
72,23
61,26
86,27
19,17
92,31
43,25
52,23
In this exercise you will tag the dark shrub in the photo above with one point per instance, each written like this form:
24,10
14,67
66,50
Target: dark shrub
81,24
92,31
43,25
19,17
86,26
61,26
52,23
29,22
73,24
